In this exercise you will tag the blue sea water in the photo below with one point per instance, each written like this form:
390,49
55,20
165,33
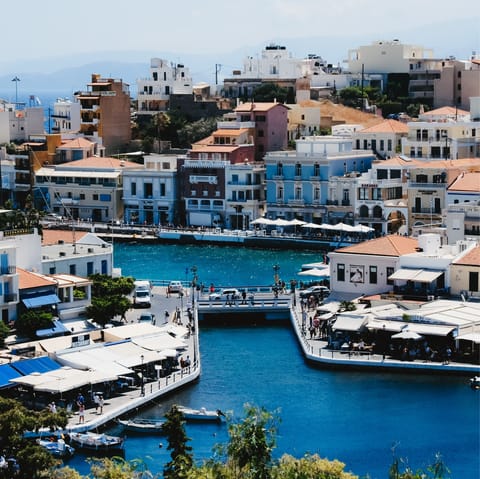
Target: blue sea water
356,417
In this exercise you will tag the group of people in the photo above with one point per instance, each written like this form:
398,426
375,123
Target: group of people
97,399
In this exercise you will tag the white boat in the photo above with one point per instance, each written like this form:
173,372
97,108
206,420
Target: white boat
201,414
57,448
475,382
96,442
141,425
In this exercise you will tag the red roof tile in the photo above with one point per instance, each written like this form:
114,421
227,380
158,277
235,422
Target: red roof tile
391,245
472,258
387,126
27,280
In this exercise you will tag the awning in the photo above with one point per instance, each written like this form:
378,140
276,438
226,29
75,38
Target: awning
426,276
405,274
349,323
36,365
418,275
38,301
425,329
7,373
474,337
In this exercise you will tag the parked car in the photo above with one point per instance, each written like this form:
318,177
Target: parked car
146,317
232,293
317,291
175,287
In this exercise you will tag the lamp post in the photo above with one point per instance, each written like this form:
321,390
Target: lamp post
193,269
142,390
446,152
276,269
16,80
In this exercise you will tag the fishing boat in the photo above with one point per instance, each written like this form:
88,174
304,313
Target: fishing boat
201,414
57,448
141,425
96,442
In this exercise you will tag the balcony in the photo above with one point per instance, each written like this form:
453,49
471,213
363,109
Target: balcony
10,298
294,202
425,211
235,125
8,269
427,185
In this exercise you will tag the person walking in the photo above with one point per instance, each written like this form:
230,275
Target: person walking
81,414
101,402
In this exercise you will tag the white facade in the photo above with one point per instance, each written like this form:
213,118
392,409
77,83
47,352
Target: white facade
165,79
88,256
8,279
276,61
66,116
150,192
386,57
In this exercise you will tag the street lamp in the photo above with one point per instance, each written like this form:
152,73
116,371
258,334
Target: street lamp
193,269
276,269
446,151
142,391
16,80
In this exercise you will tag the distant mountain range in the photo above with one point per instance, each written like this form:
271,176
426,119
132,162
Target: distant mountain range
65,75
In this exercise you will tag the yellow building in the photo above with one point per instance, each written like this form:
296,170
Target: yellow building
464,274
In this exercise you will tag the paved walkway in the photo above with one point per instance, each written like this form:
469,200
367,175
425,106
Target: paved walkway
132,399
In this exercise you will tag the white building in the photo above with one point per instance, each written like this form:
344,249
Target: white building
66,116
83,257
166,78
150,192
386,57
20,125
365,268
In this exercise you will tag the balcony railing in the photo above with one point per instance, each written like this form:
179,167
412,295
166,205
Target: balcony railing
434,211
8,269
10,298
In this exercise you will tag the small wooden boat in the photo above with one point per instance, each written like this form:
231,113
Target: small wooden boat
57,448
201,414
96,442
140,425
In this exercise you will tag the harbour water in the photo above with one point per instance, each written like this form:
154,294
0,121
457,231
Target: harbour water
356,417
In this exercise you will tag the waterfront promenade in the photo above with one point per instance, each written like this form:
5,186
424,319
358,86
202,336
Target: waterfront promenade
134,398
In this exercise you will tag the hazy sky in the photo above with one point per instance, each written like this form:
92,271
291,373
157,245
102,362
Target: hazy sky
35,28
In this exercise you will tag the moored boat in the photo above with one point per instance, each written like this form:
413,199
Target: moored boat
96,442
475,382
201,414
57,448
141,425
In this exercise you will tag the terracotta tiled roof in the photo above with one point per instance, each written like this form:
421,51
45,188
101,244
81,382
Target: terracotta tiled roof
391,245
27,280
230,132
472,164
446,110
199,147
466,182
100,162
261,106
387,126
77,143
472,258
51,237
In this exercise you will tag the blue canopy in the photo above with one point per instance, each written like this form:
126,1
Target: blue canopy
37,301
7,373
36,365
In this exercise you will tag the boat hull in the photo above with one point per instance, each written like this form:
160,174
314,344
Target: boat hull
96,442
142,426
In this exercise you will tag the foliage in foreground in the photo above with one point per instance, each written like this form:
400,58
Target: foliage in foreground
246,455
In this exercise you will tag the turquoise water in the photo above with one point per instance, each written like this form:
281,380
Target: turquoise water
356,417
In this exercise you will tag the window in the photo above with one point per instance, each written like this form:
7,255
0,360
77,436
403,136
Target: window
134,188
298,169
389,145
376,194
316,194
89,268
104,266
382,145
73,269
260,133
280,193
279,169
395,174
316,169
382,174
340,272
82,196
473,281
363,194
373,275
147,190
260,118
52,270
163,189
298,193
95,197
389,273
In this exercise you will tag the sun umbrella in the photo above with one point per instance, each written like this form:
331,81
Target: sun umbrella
362,229
311,225
296,222
406,334
261,221
316,272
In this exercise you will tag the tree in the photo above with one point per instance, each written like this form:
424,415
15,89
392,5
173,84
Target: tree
4,332
251,442
352,96
269,92
182,459
29,322
109,297
193,132
309,466
15,419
